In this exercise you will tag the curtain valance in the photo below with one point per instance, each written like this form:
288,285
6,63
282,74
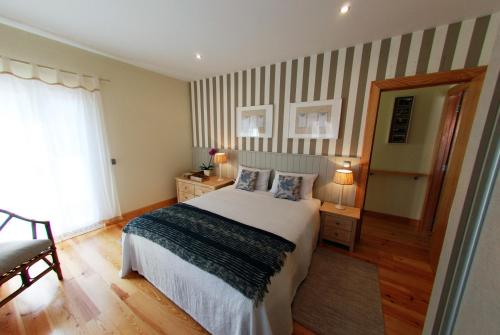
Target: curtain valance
48,75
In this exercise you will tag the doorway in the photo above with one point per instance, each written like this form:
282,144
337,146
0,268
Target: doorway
473,77
408,258
406,148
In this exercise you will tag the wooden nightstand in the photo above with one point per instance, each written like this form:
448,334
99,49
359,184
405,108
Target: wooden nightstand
339,225
189,189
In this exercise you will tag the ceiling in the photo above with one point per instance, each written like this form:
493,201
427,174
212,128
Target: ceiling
165,35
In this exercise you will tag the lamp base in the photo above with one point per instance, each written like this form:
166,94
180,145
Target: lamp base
220,173
339,205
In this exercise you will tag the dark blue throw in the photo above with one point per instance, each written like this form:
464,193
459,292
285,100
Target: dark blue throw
243,256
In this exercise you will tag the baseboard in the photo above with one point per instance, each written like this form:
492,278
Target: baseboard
138,212
393,218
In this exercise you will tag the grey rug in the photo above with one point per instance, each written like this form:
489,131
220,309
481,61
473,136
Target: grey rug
340,295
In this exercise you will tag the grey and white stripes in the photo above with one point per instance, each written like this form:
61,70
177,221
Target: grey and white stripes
345,73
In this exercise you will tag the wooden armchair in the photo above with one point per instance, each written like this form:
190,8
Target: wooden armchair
17,257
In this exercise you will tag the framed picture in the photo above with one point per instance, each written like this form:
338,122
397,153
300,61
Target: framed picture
401,118
254,121
315,119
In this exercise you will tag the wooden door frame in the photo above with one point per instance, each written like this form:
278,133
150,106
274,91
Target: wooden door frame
379,86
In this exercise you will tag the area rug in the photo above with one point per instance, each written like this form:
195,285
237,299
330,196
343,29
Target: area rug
340,295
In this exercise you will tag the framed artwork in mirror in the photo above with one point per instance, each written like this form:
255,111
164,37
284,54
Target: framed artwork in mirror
401,118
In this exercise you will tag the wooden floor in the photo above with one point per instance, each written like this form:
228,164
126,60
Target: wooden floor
405,275
93,299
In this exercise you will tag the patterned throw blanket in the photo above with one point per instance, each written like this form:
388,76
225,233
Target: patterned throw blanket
245,257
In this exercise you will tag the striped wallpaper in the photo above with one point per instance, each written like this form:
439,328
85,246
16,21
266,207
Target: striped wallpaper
345,73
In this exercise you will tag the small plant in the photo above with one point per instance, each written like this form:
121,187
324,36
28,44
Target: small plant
209,166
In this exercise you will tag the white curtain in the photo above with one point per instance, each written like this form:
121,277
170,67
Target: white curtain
54,163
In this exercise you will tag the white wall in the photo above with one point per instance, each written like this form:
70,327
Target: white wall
481,300
147,115
480,309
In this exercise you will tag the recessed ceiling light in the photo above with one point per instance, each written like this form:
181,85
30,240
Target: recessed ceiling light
198,56
344,9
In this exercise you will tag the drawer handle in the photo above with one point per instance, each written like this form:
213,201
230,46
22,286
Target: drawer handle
337,223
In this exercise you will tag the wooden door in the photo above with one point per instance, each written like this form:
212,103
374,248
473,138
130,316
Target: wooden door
454,165
444,141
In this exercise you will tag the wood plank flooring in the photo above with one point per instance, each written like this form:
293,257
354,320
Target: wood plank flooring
93,299
405,275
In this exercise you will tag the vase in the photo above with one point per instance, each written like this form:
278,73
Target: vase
207,173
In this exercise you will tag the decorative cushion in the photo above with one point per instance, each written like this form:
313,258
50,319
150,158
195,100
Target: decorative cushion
289,187
247,180
308,179
262,179
14,253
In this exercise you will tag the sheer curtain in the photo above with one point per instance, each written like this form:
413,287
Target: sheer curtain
55,163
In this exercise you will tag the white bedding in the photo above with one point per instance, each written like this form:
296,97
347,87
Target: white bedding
218,307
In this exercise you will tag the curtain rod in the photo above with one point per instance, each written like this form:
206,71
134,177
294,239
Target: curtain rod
53,68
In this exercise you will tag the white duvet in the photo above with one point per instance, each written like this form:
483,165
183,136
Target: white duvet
218,307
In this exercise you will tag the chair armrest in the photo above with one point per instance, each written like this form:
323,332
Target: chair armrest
34,223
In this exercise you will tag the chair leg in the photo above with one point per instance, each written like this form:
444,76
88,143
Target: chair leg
25,277
57,267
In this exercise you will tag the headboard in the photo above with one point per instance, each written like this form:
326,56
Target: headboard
324,166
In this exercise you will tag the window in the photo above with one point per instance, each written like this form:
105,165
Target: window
55,164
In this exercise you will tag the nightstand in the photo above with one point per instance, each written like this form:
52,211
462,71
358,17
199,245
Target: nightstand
339,225
189,189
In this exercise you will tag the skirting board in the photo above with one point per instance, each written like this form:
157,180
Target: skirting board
138,212
393,218
324,166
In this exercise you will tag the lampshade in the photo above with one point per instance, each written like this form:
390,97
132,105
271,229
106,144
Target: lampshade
220,158
343,177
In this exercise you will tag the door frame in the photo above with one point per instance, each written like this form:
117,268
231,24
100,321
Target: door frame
379,86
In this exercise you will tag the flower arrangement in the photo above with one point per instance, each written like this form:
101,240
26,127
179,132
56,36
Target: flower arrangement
209,166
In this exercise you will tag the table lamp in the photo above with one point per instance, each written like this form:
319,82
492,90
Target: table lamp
343,177
220,158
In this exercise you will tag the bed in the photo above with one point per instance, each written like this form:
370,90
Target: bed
217,306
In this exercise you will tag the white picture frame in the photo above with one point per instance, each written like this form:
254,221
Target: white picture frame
254,121
315,119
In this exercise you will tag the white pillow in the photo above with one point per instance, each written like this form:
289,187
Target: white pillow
262,178
306,190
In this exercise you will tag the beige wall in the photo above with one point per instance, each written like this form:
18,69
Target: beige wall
147,115
402,195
